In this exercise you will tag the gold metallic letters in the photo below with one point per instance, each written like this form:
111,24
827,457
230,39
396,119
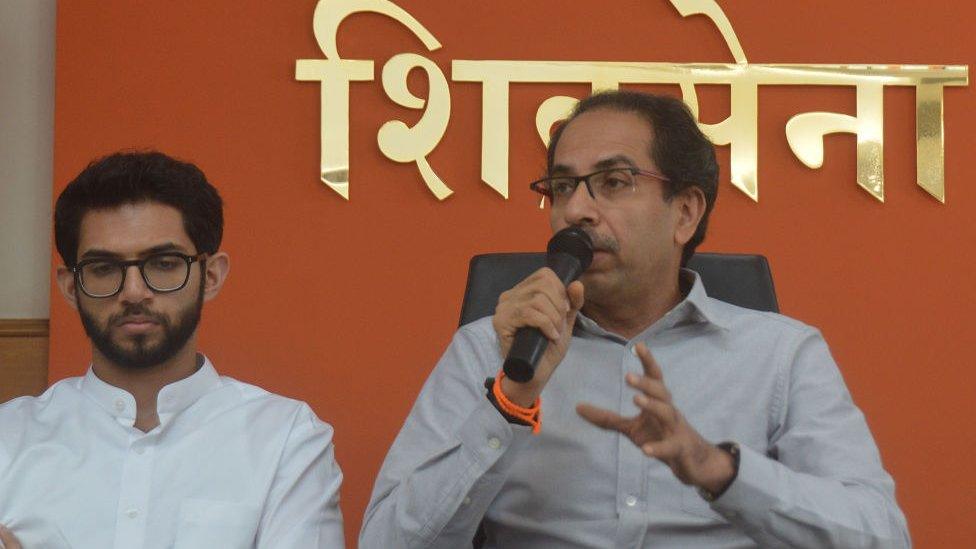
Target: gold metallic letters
804,132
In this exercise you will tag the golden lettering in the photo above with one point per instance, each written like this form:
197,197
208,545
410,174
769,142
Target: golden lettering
804,132
740,130
711,10
335,74
404,144
929,137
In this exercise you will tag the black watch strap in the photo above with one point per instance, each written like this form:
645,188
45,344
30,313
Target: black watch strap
733,450
489,385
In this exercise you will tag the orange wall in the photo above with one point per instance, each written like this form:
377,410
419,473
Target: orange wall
348,304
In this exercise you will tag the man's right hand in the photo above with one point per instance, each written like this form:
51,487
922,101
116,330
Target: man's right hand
8,539
540,301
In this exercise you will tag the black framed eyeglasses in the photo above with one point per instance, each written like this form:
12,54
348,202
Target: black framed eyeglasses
609,185
162,273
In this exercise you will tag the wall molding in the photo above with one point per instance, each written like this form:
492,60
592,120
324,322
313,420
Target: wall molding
23,357
24,327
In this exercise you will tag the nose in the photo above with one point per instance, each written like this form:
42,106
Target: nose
134,288
581,208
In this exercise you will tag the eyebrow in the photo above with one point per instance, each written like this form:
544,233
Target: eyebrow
606,163
160,248
615,161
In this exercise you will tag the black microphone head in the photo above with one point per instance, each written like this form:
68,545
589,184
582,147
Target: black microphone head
574,241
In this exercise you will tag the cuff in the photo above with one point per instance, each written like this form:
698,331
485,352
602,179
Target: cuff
751,494
490,438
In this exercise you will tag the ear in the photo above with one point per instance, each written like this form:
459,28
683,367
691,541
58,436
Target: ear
689,208
66,283
217,267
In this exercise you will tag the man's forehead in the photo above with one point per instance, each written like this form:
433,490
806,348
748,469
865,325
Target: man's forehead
603,138
132,228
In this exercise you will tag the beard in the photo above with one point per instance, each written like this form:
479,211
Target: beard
142,355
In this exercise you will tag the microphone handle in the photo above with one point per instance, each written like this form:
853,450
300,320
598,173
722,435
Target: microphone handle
566,266
530,343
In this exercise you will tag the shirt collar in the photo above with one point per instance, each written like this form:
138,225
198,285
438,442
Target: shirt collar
696,307
172,399
701,307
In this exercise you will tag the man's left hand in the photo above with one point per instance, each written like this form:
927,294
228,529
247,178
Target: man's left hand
660,431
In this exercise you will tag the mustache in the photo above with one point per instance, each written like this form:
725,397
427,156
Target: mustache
603,242
137,310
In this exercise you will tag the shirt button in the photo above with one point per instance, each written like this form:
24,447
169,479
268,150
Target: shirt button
140,450
132,513
467,501
120,405
630,501
494,443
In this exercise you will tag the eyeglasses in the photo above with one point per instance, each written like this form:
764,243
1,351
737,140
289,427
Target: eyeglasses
165,272
609,185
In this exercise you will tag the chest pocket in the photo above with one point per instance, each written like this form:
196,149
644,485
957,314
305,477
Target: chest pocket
207,524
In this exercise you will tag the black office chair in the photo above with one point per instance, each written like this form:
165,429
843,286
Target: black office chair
739,279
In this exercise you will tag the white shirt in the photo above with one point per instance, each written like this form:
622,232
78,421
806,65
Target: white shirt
229,466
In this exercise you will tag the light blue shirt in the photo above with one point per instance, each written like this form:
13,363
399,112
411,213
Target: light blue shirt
810,474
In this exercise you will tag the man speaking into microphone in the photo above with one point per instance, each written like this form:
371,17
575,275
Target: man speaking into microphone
656,416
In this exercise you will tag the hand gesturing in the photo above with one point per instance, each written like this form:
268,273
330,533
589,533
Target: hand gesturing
661,431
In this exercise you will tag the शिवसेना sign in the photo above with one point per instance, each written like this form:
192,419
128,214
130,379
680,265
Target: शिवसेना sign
804,132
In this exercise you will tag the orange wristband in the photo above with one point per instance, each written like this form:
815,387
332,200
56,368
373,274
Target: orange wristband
532,416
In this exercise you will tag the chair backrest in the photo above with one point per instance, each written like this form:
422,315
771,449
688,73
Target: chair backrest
739,279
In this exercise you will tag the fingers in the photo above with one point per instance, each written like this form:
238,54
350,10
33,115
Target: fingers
651,387
665,450
575,293
539,301
545,320
8,539
651,369
604,419
544,282
662,414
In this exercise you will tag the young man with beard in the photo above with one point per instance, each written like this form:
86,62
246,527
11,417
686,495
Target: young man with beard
151,448
737,432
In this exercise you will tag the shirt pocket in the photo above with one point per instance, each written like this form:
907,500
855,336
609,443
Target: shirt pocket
207,524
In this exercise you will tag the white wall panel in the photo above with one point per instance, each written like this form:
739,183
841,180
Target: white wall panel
27,38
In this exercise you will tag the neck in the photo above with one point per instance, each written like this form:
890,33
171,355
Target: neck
144,384
630,313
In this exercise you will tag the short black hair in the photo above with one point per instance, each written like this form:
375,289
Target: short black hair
679,148
133,177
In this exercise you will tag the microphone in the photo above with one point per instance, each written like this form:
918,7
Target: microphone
569,253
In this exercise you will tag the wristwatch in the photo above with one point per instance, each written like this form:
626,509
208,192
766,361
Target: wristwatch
490,385
733,450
